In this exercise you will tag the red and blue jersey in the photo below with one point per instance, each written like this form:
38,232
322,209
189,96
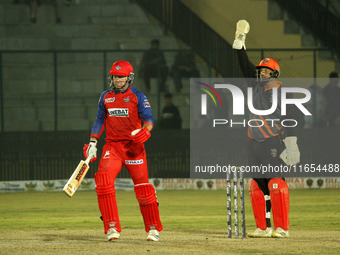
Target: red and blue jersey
121,113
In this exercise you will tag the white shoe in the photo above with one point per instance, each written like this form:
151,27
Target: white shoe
258,233
279,232
153,235
112,234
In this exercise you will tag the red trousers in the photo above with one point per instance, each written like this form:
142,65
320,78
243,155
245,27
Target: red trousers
127,153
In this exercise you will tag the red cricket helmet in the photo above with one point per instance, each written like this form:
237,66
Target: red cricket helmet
121,68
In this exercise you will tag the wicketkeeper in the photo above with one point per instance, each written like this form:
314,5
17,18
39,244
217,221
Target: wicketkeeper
126,115
267,144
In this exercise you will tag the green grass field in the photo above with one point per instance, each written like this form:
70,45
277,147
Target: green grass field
194,222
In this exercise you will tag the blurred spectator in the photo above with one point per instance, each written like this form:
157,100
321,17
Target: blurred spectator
153,64
33,4
332,101
184,66
171,118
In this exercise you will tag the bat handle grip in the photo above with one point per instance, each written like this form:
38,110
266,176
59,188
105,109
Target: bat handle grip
87,161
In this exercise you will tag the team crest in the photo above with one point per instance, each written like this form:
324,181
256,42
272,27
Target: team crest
118,68
265,60
127,99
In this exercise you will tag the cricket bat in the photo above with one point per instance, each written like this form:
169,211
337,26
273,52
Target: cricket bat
78,175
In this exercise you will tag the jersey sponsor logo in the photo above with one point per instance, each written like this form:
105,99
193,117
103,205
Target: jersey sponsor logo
118,112
134,162
109,100
146,105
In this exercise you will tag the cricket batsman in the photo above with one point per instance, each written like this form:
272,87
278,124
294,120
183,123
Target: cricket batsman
126,115
268,144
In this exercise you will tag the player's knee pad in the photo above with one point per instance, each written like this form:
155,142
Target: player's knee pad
105,190
146,196
145,193
279,194
104,183
258,203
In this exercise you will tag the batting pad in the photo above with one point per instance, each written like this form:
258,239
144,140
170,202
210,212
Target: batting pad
146,196
280,202
106,194
258,203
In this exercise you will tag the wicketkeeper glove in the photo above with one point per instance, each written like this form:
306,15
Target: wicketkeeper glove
140,135
90,150
242,29
291,155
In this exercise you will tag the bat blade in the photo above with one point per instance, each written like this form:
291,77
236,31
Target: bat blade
78,175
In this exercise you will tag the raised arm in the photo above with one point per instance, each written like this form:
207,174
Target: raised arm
242,29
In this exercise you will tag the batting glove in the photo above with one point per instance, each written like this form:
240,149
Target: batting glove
291,155
242,29
90,150
140,135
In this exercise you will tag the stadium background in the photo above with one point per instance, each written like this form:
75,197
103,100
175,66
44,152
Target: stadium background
51,75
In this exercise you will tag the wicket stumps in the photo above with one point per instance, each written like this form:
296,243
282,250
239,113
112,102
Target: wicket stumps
237,179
